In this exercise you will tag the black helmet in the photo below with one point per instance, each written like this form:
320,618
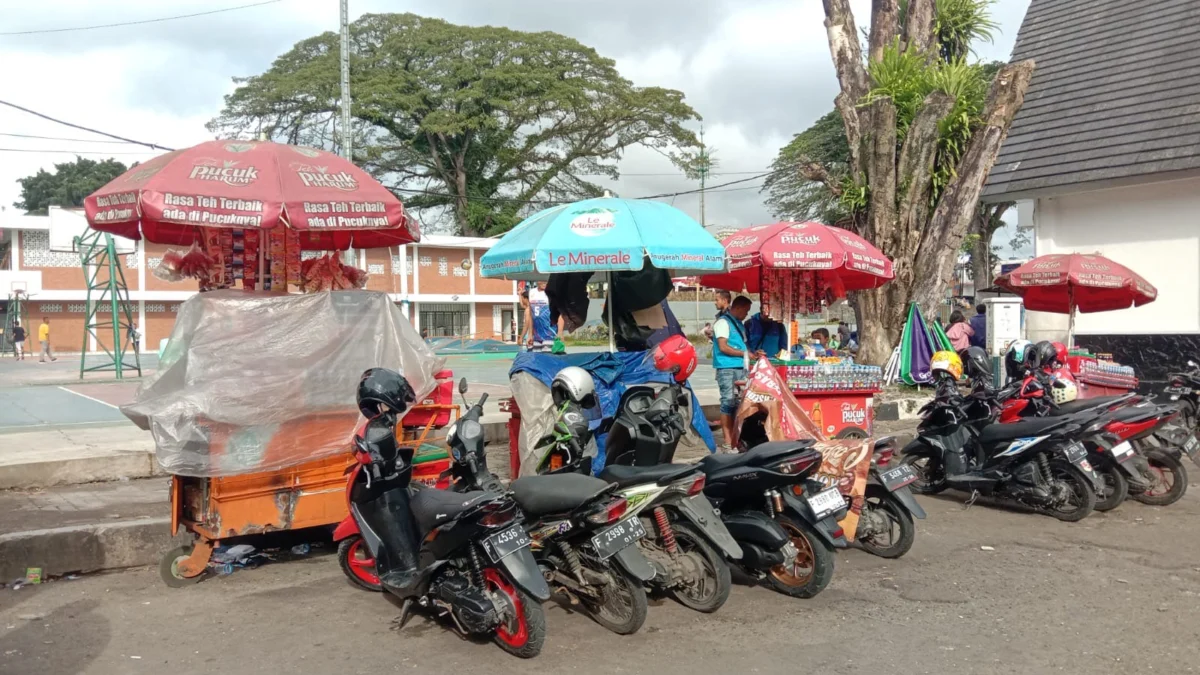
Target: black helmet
1042,355
977,364
382,390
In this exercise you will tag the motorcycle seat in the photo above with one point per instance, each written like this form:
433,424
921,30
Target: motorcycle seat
556,493
995,433
431,507
624,476
759,455
1079,405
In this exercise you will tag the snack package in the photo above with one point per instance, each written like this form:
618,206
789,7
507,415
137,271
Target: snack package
292,256
250,278
278,239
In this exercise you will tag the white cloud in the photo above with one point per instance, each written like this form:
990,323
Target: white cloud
756,70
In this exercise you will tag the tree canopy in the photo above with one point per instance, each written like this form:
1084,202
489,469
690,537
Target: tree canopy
67,185
484,123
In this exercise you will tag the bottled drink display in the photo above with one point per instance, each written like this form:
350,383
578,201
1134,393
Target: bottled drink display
835,377
1107,374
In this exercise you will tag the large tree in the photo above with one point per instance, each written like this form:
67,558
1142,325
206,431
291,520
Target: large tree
922,139
486,123
67,185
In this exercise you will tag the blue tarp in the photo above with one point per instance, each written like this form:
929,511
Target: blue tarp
612,374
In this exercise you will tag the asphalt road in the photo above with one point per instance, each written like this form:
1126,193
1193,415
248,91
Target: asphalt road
1116,593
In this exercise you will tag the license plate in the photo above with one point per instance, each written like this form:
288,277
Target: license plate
896,478
610,542
1075,453
503,544
826,502
1192,446
1123,451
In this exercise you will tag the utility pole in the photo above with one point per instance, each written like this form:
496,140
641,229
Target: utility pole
703,170
347,132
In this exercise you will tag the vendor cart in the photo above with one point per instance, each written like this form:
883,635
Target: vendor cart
219,510
838,397
1098,375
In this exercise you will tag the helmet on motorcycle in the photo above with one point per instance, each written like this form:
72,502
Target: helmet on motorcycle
675,355
978,364
573,384
1014,358
382,390
946,363
1060,352
1063,391
1041,355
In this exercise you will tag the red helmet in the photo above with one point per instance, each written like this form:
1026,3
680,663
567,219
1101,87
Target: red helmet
675,355
1061,350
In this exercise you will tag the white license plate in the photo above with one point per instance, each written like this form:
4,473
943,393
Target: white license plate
826,502
1191,444
1122,451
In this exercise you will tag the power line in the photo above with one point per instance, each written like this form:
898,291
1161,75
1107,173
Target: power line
60,138
139,23
79,152
82,128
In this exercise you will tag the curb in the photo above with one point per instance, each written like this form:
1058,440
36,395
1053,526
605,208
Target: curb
85,548
79,470
900,409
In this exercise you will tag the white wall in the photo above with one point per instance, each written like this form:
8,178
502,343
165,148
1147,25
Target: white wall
1153,230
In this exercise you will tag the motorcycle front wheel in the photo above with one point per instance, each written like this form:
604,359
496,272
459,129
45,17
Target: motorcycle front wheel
901,531
1115,489
811,570
1169,480
1080,501
712,590
622,605
931,475
524,631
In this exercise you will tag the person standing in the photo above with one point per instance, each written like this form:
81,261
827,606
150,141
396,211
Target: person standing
722,304
765,334
729,360
44,338
979,325
135,337
843,331
537,317
18,340
959,332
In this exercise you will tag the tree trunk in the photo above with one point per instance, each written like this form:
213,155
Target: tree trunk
981,260
881,314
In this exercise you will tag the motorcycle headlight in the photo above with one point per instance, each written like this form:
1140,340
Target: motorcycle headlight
450,431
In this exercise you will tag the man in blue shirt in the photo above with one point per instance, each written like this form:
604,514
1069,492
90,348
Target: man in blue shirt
979,325
765,334
730,356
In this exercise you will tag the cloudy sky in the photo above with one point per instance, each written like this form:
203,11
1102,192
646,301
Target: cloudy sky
758,71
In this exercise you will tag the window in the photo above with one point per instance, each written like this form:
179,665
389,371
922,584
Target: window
445,319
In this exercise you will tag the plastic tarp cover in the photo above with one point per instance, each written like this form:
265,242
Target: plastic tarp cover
530,378
255,382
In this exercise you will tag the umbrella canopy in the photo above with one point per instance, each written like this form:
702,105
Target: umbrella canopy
243,184
605,234
1062,283
838,256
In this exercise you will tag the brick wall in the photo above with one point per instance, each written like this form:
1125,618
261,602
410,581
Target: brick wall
441,271
379,267
490,286
160,319
484,324
66,325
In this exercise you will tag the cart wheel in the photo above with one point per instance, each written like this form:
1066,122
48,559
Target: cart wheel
168,568
852,433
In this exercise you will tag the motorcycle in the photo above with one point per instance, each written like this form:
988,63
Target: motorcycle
465,556
1126,449
1184,389
785,537
885,526
583,536
1035,462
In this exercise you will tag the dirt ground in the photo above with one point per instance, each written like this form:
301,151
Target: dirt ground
1116,593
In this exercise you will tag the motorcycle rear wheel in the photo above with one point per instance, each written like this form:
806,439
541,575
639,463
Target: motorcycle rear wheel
718,581
812,569
1170,480
1116,489
525,632
1084,495
623,605
931,475
878,499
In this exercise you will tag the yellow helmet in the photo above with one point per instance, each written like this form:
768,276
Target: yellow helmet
946,362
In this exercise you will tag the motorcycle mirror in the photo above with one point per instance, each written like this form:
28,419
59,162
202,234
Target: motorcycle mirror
1191,364
462,386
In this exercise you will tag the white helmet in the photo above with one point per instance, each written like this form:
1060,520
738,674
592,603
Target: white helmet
575,384
1063,391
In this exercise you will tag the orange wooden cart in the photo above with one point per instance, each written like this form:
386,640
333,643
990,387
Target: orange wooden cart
311,494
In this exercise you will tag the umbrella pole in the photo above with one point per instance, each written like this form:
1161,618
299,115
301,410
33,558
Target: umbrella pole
1070,317
612,339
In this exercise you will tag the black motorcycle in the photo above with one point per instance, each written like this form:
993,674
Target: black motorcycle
583,538
1036,462
784,523
1184,389
462,555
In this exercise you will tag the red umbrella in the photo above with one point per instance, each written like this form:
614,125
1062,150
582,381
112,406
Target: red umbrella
1063,283
840,257
260,185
